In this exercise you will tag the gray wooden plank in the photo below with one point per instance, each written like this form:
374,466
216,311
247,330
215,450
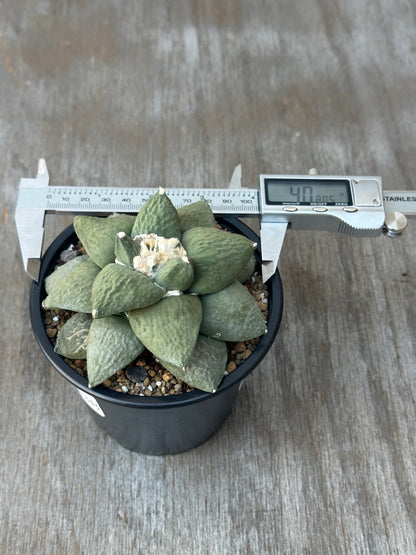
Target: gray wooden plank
318,455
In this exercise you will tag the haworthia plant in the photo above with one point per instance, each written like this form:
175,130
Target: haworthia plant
118,289
126,249
231,314
169,328
218,257
247,271
112,345
166,281
197,214
205,369
158,216
61,271
176,274
98,235
73,291
73,336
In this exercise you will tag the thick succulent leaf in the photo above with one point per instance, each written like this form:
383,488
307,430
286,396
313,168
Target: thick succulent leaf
126,249
247,271
97,235
71,341
206,366
112,345
169,328
218,256
61,271
118,289
197,214
157,215
73,291
176,274
232,315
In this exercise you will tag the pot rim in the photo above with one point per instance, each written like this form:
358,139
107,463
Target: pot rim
37,293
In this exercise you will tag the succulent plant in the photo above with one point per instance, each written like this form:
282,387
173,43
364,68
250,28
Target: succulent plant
168,280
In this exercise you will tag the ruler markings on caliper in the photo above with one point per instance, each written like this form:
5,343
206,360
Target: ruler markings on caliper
99,199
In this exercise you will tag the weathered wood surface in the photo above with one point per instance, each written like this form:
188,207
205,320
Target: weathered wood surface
319,453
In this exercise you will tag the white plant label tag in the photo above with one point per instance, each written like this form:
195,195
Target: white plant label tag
91,402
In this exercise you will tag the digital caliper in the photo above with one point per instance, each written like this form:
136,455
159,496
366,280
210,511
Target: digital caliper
351,205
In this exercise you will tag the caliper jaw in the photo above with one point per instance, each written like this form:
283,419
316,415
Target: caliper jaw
29,223
272,236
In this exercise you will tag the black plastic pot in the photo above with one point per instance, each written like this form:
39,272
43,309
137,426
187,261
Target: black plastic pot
156,425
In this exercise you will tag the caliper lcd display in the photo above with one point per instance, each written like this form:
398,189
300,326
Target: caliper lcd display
313,192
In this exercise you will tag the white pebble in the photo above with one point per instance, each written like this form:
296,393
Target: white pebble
124,388
55,318
150,388
158,384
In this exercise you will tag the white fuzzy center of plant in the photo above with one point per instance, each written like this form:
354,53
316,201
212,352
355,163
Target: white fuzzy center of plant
155,251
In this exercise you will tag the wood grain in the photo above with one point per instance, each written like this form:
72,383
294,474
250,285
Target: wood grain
319,453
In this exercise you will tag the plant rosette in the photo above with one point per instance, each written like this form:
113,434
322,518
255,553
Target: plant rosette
167,280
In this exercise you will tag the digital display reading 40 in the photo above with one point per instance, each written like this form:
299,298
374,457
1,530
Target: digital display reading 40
326,192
